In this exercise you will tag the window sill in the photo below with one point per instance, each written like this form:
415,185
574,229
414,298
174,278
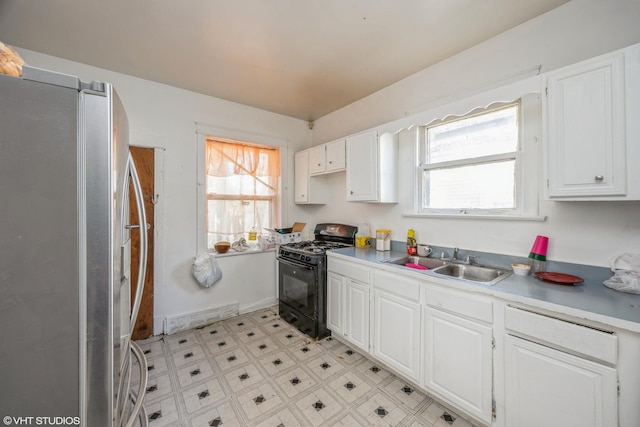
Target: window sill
236,253
471,216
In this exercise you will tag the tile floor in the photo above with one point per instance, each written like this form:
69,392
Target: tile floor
257,370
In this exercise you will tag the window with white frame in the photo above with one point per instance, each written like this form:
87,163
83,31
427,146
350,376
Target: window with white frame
241,189
472,165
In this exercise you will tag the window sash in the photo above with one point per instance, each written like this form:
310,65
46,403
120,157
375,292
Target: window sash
476,201
450,138
227,159
215,196
424,167
470,161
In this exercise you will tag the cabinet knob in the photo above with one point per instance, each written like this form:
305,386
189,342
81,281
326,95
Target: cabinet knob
598,178
319,164
351,192
330,162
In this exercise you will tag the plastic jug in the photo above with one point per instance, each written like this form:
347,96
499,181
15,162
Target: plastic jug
363,236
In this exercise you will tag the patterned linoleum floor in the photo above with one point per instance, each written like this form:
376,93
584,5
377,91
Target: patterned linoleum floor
257,370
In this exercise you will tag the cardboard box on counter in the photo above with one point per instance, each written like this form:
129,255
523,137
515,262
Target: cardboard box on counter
281,236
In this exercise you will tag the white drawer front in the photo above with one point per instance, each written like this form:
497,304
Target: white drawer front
562,334
397,284
348,269
470,306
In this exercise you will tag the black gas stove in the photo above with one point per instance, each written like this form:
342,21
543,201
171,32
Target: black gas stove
302,282
310,251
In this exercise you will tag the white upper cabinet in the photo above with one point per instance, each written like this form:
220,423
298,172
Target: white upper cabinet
317,160
336,156
372,168
327,158
308,189
310,166
591,133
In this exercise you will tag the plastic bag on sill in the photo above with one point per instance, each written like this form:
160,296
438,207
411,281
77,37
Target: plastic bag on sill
626,277
240,245
205,270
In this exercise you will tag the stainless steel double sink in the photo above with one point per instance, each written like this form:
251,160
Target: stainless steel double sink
486,275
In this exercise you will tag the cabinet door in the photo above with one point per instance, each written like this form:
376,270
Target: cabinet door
457,362
546,387
396,333
362,167
357,314
335,303
317,159
336,156
308,189
301,173
586,129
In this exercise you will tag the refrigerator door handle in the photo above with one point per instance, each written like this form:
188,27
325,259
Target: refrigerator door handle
124,387
136,226
138,410
137,190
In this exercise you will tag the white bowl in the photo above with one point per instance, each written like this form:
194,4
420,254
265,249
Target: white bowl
521,269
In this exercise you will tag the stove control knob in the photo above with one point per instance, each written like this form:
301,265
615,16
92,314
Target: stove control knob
308,258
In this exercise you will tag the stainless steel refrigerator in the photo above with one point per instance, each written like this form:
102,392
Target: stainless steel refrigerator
66,313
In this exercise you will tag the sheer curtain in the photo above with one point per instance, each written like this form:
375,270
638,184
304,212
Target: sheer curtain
233,158
242,188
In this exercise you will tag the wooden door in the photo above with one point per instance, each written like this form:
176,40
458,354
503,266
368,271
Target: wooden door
144,160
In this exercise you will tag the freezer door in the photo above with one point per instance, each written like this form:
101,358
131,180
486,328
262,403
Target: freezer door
39,250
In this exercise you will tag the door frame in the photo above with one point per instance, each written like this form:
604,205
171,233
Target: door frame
157,143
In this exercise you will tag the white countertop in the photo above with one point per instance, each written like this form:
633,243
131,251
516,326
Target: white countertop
590,300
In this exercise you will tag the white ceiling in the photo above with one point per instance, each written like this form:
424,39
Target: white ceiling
299,58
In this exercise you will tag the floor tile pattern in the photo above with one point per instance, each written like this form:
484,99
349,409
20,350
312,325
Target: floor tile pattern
257,370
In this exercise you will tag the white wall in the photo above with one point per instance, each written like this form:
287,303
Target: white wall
165,117
581,232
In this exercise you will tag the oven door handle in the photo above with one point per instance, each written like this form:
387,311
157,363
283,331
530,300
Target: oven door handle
295,264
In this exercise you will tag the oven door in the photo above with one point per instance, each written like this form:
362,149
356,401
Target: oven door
298,287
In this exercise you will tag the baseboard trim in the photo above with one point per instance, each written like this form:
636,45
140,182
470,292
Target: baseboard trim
185,322
265,303
175,324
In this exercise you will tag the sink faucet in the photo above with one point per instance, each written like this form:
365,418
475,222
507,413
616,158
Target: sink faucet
470,259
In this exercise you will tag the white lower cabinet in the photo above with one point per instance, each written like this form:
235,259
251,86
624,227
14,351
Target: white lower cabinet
547,387
458,350
348,302
336,301
498,364
558,373
357,313
396,323
458,362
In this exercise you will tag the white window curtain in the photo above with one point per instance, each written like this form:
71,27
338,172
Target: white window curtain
241,189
